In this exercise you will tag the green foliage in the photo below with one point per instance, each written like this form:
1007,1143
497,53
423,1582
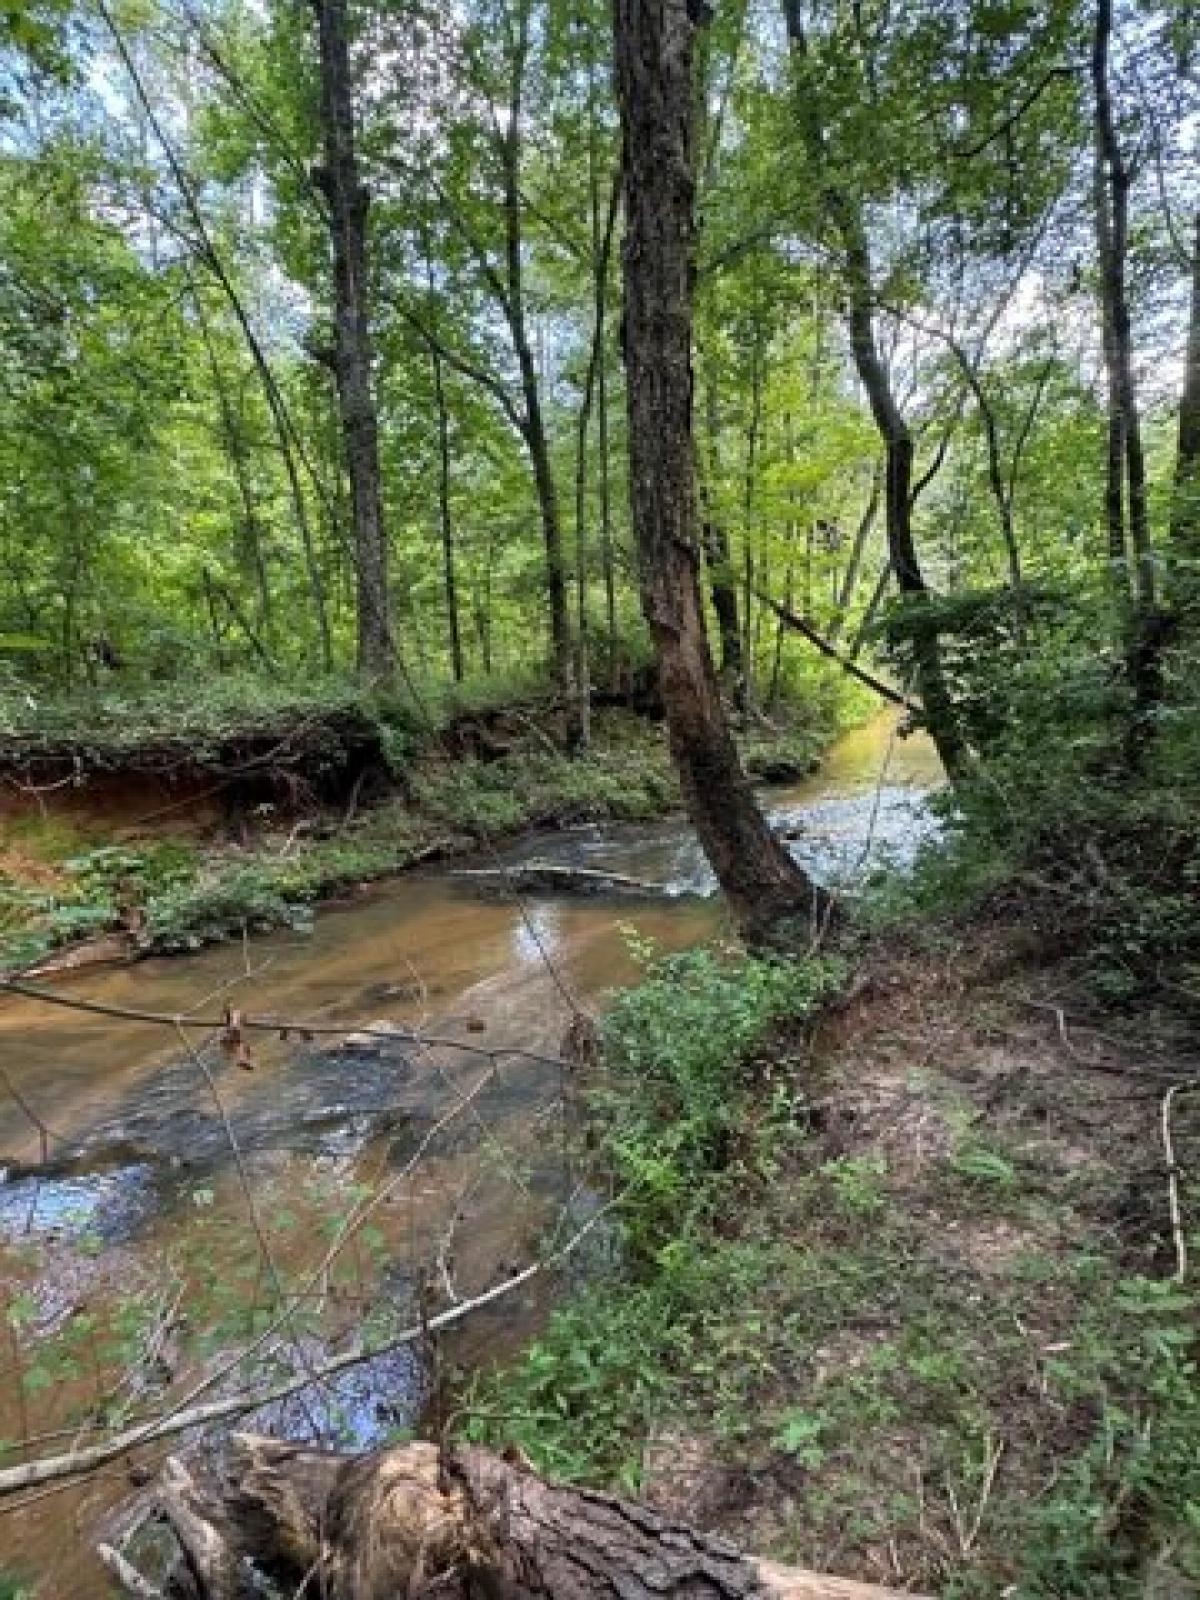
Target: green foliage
844,1332
1096,843
677,1044
115,726
684,1122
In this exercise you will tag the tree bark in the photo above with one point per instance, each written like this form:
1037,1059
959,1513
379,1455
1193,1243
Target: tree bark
719,564
341,183
1185,505
471,1523
654,42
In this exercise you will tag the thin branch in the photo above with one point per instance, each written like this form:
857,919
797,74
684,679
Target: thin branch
800,625
468,369
75,1463
268,1024
966,152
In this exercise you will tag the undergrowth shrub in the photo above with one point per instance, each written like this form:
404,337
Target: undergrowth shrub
678,1090
685,1122
1060,819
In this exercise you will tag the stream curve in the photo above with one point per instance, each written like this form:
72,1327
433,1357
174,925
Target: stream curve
153,1193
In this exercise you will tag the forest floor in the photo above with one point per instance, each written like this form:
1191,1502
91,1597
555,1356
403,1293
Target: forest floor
957,1366
926,1330
128,861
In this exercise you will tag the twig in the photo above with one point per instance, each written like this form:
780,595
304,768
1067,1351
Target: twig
127,1575
268,1024
1174,1204
78,1462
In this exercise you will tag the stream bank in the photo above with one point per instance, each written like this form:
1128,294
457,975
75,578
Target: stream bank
129,856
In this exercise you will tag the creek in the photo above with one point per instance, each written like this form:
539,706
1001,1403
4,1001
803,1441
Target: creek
158,1194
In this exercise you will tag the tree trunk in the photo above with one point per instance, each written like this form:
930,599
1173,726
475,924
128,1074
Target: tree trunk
446,520
849,583
750,575
775,685
607,549
347,198
603,229
654,56
845,213
867,619
533,423
1114,450
463,1523
719,563
233,437
1185,505
940,715
1114,179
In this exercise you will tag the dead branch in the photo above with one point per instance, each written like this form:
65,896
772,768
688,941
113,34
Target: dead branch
270,1024
127,1575
1174,1203
805,628
550,875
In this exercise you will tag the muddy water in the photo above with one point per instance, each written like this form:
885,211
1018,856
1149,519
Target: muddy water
172,1194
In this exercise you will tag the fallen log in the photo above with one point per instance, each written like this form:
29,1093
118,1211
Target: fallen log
464,1523
550,877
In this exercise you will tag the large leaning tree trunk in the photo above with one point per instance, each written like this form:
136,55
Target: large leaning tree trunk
463,1523
654,39
346,195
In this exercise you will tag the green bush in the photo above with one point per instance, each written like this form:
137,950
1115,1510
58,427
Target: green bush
676,1045
681,1088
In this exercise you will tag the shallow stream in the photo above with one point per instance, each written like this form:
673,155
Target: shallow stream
159,1193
